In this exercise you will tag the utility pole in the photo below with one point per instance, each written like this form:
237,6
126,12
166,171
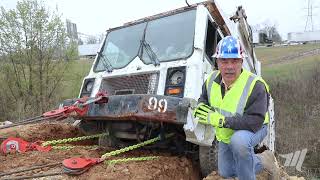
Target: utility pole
309,21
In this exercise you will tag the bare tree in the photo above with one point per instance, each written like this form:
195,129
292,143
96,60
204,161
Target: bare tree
92,40
270,29
101,37
274,34
32,46
80,42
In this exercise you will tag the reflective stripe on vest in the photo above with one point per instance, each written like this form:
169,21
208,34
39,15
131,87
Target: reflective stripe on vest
243,98
234,101
211,79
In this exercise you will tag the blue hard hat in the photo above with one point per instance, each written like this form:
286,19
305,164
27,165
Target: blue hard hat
229,47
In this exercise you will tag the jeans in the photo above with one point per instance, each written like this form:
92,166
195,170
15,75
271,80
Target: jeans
237,159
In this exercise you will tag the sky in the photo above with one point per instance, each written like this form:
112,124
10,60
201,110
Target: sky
94,17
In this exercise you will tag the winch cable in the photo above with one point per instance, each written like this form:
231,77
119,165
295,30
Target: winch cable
35,176
31,168
32,120
66,171
78,108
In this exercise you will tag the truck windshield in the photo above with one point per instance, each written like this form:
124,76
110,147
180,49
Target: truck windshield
168,38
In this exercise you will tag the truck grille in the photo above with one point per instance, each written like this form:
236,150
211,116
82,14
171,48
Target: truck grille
133,84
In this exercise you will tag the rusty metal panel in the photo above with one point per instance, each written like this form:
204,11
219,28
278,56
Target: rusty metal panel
140,107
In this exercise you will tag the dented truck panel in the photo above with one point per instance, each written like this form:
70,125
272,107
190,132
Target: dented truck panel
155,108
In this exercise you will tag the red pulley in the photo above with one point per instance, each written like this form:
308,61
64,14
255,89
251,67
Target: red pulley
13,144
80,163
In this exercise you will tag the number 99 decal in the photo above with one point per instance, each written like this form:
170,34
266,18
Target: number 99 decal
160,105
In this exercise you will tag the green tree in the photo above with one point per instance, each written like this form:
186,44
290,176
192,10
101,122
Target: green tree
32,48
71,52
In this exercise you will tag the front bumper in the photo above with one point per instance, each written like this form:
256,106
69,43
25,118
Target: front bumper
155,108
140,107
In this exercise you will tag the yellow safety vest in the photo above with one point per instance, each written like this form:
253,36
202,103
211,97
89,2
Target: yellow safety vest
234,101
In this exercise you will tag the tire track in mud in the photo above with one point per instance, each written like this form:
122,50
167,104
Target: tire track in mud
294,56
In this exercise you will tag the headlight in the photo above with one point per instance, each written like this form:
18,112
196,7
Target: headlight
176,78
89,86
175,81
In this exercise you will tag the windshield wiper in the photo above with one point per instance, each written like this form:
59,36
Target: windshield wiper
105,62
151,54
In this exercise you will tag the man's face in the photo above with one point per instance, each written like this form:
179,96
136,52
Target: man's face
230,69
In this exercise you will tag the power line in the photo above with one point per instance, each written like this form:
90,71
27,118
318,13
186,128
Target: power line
310,15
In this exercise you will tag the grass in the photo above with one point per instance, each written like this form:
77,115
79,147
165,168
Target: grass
73,78
269,55
297,111
295,88
284,70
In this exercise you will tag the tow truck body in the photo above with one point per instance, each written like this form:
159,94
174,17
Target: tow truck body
153,69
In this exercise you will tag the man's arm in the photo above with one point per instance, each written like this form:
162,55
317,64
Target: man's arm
204,95
254,112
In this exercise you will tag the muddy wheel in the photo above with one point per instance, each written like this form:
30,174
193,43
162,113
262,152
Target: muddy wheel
110,140
208,159
89,127
107,141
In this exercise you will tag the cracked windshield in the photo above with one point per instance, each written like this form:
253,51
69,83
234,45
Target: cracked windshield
165,39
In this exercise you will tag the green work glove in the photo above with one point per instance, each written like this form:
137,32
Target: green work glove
201,110
213,118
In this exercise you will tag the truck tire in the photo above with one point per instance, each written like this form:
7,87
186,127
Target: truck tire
109,140
89,127
106,141
208,159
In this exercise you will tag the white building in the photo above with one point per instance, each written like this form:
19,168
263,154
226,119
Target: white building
307,36
88,50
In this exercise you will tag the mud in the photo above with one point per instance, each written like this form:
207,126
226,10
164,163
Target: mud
165,167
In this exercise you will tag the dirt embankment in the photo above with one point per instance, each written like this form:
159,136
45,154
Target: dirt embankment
165,167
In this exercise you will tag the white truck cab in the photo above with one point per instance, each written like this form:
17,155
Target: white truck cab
153,70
